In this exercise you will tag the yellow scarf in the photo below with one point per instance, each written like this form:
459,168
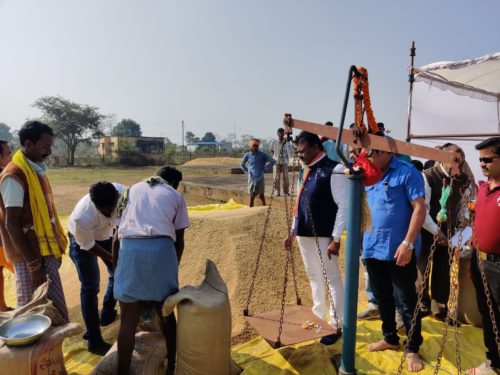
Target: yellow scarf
51,238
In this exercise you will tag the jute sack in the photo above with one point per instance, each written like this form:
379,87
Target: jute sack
203,327
38,305
45,356
468,311
147,359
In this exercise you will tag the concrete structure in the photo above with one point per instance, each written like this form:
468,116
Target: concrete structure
219,147
108,145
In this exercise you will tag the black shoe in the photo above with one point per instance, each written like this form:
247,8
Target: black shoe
423,311
99,348
85,336
441,316
330,339
106,320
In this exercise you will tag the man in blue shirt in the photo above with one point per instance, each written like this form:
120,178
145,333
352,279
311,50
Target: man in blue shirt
257,161
397,206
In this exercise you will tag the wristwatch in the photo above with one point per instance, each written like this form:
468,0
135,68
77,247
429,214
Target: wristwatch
408,245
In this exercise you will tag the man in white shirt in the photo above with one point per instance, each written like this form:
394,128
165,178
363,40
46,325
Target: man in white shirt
282,150
90,228
319,221
153,219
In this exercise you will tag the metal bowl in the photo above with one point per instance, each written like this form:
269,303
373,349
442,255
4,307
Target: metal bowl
24,330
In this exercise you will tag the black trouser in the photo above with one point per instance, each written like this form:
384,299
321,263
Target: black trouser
440,277
387,278
492,272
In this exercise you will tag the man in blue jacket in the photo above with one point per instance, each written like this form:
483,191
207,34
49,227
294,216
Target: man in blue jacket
319,222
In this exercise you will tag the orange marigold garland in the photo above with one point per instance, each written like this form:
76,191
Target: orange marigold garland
362,99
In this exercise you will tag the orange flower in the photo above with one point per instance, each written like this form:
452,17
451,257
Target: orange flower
362,102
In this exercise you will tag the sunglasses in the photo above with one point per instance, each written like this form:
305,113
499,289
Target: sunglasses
488,160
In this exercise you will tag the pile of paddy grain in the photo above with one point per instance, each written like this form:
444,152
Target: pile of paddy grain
232,239
203,162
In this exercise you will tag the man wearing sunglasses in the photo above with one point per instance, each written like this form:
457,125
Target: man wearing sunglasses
487,258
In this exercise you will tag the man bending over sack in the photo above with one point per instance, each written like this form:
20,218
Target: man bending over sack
90,229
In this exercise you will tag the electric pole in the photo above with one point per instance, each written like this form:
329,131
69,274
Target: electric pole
182,147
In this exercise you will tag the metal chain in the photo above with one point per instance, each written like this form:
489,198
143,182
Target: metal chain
283,296
323,268
289,260
419,300
261,245
445,330
455,271
452,305
289,220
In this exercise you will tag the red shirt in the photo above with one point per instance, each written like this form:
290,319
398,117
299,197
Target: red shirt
487,222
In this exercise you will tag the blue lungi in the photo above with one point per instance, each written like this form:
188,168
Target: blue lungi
147,270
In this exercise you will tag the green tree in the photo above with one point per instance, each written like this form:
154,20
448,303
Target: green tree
129,154
73,123
127,128
208,137
245,139
5,133
190,137
170,150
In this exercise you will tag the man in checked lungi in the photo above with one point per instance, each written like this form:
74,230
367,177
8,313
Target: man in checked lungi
151,233
32,236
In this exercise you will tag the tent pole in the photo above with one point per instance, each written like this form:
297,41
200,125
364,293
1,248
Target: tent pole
411,78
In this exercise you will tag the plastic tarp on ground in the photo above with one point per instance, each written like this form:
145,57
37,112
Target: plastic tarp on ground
229,205
457,102
256,357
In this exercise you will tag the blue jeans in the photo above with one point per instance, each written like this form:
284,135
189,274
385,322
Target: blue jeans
88,273
388,279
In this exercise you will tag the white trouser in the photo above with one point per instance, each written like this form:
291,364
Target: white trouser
312,265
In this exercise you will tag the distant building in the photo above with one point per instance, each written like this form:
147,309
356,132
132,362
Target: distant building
222,147
108,145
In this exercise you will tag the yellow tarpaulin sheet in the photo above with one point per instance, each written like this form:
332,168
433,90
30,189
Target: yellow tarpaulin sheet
309,358
229,205
312,358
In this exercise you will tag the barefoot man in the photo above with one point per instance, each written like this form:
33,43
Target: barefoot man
390,249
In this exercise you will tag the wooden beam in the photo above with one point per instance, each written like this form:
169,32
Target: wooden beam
374,142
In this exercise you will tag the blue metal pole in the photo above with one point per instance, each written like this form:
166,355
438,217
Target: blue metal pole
347,364
351,275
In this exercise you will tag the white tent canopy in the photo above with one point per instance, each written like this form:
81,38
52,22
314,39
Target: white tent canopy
457,102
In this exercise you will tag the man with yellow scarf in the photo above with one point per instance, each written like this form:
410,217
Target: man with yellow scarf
32,235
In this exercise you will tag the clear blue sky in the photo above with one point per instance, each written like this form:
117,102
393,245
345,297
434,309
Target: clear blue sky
221,64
